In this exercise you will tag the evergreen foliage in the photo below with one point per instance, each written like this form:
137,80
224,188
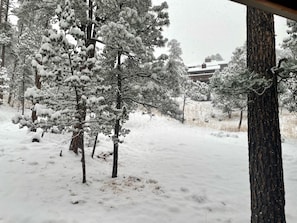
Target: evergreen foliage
130,31
178,83
229,87
287,69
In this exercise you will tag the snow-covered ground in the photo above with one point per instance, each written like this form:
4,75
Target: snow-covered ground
168,172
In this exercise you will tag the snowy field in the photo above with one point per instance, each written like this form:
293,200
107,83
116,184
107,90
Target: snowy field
168,172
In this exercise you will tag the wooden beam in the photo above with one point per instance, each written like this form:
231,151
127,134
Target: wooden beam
283,8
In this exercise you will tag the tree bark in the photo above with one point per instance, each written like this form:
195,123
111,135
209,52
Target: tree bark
23,93
2,57
1,10
240,119
94,146
12,82
117,123
265,153
90,30
183,109
5,25
83,160
77,140
34,116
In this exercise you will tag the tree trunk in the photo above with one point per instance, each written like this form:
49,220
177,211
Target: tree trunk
16,60
83,160
183,109
265,153
229,112
34,112
240,119
115,149
1,10
12,83
90,30
5,25
2,61
94,146
77,140
117,124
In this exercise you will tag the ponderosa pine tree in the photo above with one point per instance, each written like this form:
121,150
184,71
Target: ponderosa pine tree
175,67
5,40
288,71
264,140
71,78
196,91
177,81
130,30
4,26
290,42
229,86
34,17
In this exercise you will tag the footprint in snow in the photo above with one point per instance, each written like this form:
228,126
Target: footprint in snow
185,190
33,163
78,202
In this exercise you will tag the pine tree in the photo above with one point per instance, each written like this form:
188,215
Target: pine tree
287,72
177,81
175,67
265,152
290,42
196,91
229,87
130,30
5,40
71,78
33,18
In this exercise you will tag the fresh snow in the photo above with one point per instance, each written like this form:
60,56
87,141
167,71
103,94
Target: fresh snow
168,172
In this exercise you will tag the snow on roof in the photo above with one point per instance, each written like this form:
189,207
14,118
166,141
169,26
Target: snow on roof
199,68
213,65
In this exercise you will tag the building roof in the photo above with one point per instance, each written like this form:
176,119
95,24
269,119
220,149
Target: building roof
285,8
200,69
210,66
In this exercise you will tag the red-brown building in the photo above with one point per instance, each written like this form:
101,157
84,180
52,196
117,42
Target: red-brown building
204,71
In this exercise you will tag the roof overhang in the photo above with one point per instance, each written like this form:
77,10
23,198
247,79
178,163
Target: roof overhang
285,8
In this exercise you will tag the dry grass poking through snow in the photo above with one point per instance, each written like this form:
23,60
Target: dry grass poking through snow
203,114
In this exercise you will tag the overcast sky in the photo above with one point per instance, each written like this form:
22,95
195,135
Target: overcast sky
206,27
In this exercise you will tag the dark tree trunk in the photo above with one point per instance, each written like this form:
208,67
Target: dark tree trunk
94,146
115,149
3,56
77,140
12,83
117,124
229,112
5,25
265,154
34,112
240,119
1,10
83,160
90,30
183,109
23,94
3,51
